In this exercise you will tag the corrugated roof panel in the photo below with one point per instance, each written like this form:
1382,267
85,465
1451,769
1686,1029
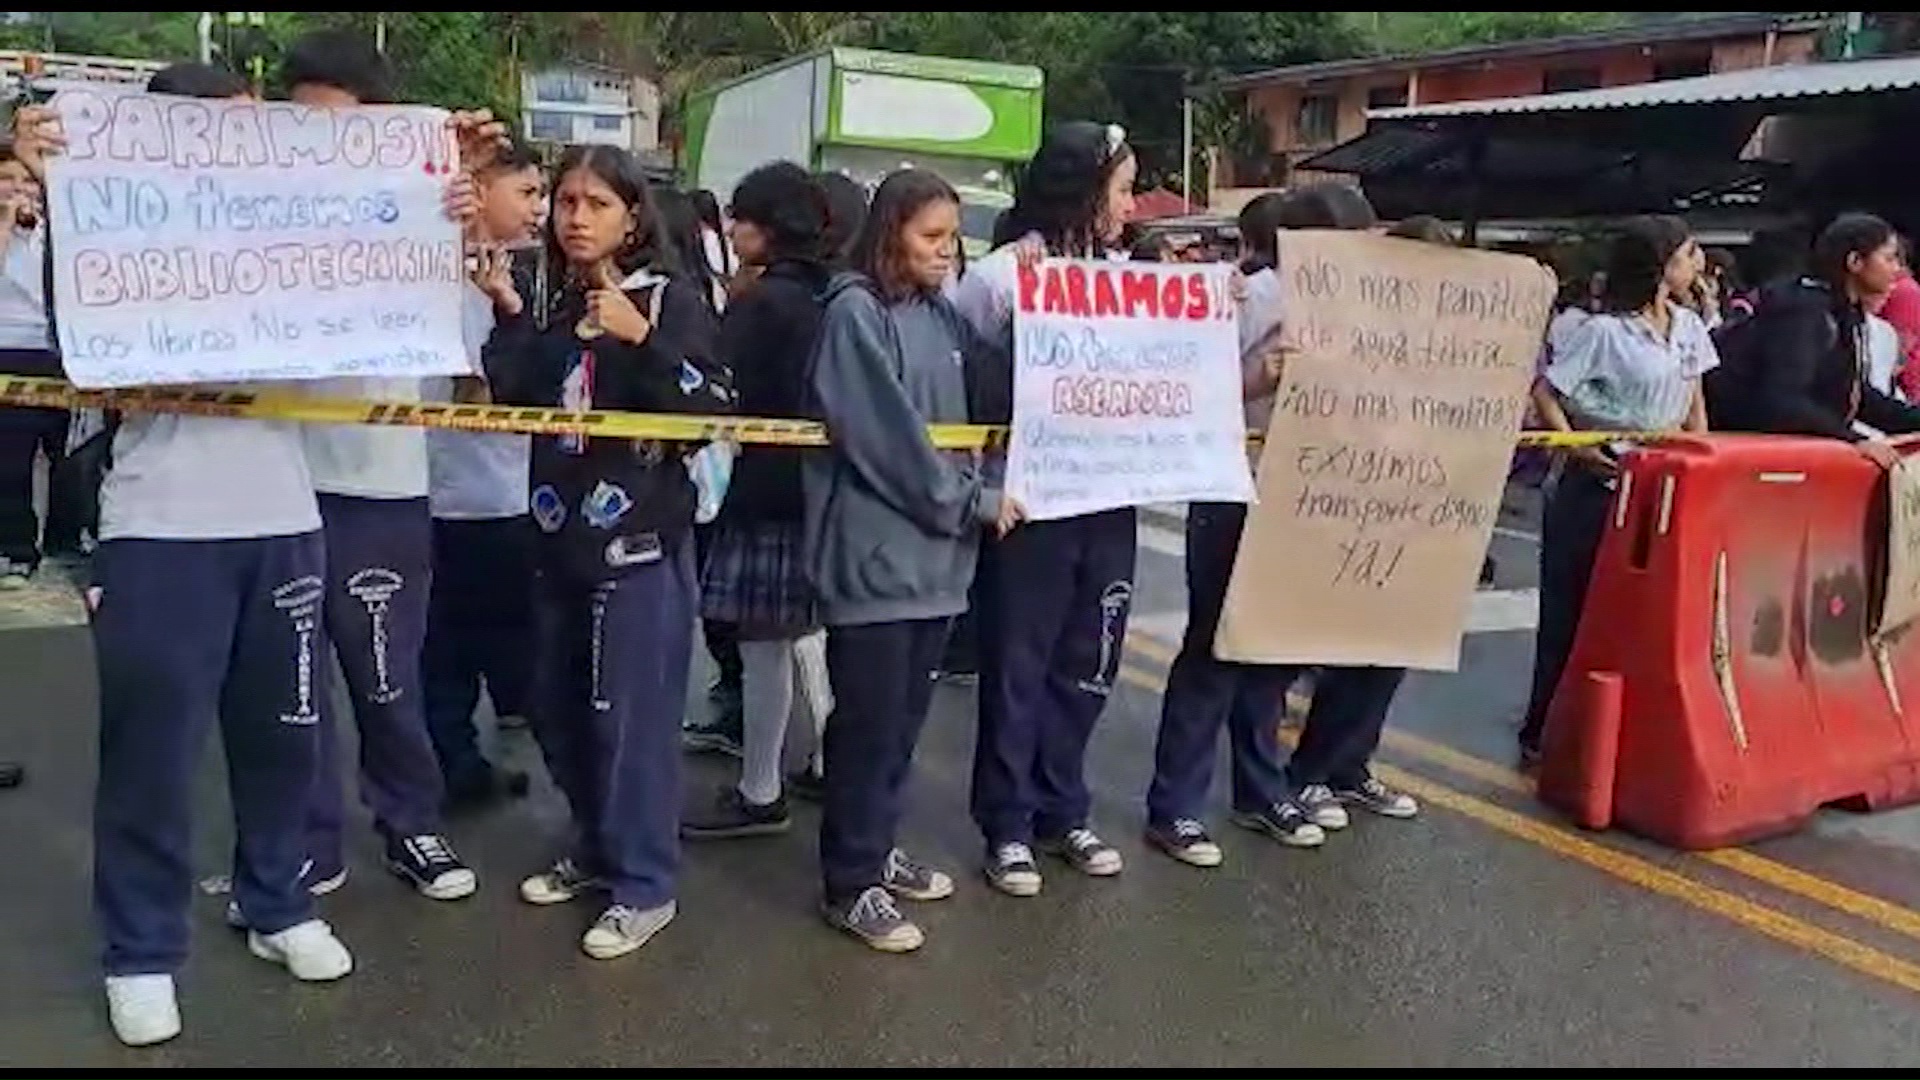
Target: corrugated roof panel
1755,84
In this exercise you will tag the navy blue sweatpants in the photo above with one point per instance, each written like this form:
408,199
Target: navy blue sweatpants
479,630
1343,728
379,566
610,692
1203,693
882,687
1054,598
187,630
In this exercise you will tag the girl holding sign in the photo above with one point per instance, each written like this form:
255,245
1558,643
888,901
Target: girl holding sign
614,593
207,605
1054,596
373,488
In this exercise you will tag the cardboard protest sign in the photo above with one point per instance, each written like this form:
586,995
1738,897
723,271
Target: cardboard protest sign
1126,388
222,241
1388,450
1902,594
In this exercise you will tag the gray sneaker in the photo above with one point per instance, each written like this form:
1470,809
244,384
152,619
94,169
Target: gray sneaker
911,881
621,929
876,920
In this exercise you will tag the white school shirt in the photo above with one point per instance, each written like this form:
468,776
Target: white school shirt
1613,372
1882,350
206,478
475,476
367,461
1260,314
23,294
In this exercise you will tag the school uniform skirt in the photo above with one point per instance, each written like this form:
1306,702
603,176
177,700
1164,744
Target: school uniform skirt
755,578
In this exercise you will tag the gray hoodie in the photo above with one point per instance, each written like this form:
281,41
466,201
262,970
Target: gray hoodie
893,525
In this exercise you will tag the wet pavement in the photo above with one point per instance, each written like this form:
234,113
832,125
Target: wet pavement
1483,934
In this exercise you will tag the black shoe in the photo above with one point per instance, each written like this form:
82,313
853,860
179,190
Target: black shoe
731,816
1286,822
427,862
12,774
486,787
875,919
715,738
807,786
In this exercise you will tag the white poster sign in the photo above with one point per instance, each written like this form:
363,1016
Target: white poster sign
1126,388
227,241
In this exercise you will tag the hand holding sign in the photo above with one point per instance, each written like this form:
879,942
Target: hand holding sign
1878,451
612,310
481,138
37,136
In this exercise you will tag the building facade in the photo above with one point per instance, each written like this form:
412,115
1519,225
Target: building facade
580,103
1307,108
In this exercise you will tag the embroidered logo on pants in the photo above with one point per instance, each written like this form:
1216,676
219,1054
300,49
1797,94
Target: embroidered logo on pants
375,587
1114,601
601,595
549,512
605,505
300,599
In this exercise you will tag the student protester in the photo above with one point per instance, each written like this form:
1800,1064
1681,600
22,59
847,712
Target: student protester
615,590
1635,365
372,483
1203,693
480,612
207,603
681,216
847,206
1054,595
755,574
892,528
27,348
1795,366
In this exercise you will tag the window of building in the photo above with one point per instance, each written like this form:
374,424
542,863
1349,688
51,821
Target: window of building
549,126
1561,80
607,123
1683,65
1318,121
1390,96
561,86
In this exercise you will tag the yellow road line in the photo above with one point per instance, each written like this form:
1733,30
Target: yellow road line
1634,870
1883,913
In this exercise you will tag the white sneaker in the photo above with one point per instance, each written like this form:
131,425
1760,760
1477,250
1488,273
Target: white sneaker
309,951
142,1008
1323,807
621,929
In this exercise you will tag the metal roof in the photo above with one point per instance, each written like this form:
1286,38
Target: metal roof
1742,24
1754,84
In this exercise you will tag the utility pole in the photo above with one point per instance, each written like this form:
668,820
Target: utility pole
206,37
1186,147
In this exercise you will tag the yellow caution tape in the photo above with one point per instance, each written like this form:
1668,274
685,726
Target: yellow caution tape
665,427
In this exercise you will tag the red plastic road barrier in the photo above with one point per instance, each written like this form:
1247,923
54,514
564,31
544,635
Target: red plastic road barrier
1733,601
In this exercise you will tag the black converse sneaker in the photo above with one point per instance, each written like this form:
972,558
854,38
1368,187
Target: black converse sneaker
874,918
428,863
1187,841
1011,869
910,880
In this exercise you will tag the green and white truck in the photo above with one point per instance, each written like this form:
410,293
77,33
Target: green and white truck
867,113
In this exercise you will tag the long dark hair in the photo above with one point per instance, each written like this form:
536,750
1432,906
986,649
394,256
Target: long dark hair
1637,263
788,205
876,253
1259,223
1062,191
646,244
1326,205
847,204
680,219
707,206
1846,236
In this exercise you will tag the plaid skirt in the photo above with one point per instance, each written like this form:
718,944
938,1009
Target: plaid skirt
754,578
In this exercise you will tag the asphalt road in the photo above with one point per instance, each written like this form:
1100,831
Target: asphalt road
1483,934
